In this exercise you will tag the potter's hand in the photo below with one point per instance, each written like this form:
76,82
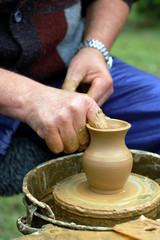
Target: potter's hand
59,117
89,67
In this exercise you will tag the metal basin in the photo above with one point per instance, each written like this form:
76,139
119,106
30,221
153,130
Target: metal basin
38,185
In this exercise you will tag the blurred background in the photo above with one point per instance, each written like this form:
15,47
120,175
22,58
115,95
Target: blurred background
139,45
139,42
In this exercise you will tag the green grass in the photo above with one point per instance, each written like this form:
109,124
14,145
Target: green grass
10,209
137,46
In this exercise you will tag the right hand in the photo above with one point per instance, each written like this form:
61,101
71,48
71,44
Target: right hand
59,117
88,68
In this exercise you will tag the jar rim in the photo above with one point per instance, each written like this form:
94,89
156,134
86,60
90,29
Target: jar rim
114,126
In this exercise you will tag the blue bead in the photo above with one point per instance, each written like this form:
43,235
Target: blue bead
17,16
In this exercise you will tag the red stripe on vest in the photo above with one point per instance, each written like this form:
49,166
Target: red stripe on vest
51,28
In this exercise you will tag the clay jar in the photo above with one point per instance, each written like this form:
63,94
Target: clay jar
107,162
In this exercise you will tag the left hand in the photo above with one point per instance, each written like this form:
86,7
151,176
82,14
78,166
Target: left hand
89,67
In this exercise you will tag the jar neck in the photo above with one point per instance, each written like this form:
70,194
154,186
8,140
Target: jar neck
107,139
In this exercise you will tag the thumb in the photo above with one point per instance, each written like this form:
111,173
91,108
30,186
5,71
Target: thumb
97,119
72,80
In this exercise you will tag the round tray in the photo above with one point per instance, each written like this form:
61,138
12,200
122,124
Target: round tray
141,196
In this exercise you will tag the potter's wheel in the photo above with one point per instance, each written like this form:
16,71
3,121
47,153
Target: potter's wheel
141,195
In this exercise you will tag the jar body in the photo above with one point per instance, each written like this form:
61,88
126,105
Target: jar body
107,162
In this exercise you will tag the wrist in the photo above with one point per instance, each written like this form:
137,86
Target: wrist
99,46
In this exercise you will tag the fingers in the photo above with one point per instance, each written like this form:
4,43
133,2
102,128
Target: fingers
67,140
64,139
105,97
83,138
69,137
100,90
72,80
70,84
96,118
76,73
54,141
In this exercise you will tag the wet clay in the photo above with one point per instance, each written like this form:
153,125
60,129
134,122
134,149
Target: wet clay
142,229
107,162
101,121
141,195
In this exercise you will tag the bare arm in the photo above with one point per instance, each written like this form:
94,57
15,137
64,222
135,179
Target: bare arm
59,117
16,93
55,114
104,20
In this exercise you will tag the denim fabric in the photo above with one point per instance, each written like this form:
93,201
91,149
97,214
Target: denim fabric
136,99
7,128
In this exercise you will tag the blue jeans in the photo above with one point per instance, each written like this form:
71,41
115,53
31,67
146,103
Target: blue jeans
136,99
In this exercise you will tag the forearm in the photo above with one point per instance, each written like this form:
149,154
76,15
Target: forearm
16,94
104,20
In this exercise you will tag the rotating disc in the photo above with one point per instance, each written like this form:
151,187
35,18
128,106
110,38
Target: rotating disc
140,195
